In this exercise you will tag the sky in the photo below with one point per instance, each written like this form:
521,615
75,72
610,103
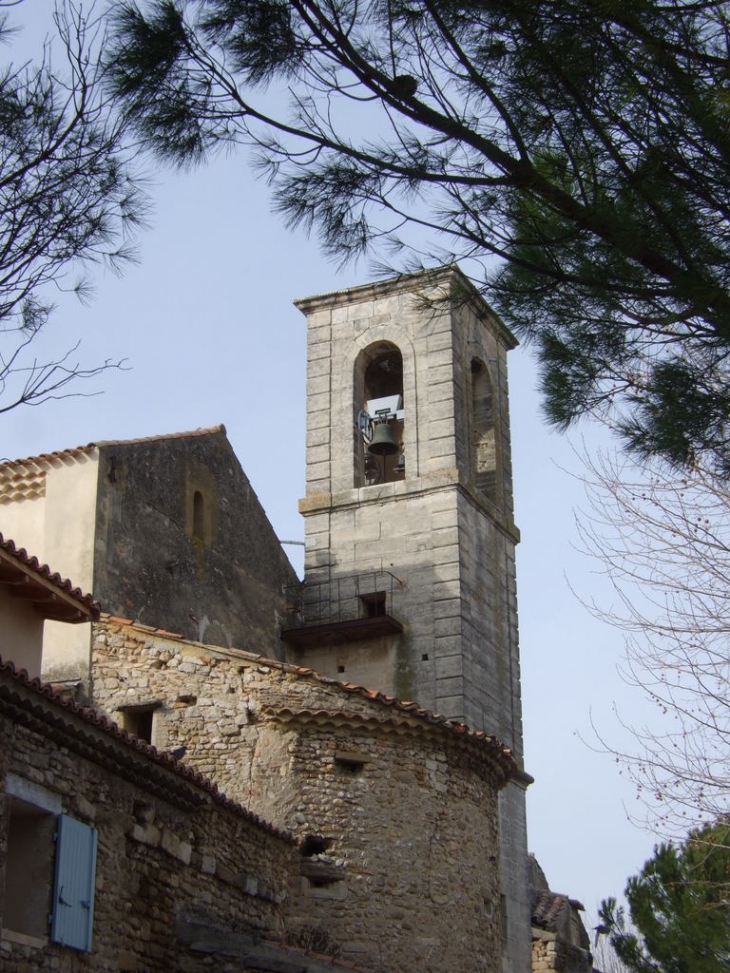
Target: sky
207,329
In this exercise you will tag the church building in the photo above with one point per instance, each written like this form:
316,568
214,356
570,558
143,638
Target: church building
371,710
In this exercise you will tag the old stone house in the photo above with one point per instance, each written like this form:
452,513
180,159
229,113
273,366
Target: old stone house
166,529
413,826
114,858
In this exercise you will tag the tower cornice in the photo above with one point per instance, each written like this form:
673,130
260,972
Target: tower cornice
462,290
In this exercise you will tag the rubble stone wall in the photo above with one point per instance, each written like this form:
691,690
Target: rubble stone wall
397,815
162,861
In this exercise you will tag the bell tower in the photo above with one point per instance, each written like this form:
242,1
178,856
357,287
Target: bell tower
409,583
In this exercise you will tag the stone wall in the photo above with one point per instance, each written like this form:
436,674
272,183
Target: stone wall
171,854
182,542
551,954
396,810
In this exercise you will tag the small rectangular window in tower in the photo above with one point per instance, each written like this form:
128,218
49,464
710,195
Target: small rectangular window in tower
373,604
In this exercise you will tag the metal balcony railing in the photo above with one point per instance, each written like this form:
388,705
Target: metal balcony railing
354,606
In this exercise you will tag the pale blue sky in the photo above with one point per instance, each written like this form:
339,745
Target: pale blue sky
207,324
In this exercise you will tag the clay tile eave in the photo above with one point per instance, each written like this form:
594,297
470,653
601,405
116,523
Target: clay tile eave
483,742
53,596
93,718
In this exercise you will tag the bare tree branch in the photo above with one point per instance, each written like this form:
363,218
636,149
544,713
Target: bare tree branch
69,196
663,541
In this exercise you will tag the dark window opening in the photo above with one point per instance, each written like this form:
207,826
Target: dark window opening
314,844
350,768
29,869
323,881
373,605
140,720
351,761
198,516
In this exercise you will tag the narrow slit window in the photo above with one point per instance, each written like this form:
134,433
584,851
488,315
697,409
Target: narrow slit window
198,516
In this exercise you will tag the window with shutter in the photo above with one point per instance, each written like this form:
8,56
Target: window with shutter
28,871
72,915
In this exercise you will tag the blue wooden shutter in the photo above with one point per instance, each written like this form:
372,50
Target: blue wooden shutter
72,917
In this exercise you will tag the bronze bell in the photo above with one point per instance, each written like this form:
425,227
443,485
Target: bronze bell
383,443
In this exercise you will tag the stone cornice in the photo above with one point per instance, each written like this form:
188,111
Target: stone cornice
484,749
463,291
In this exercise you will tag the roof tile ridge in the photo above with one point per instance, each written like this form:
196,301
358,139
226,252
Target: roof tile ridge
161,437
71,452
407,706
142,627
93,716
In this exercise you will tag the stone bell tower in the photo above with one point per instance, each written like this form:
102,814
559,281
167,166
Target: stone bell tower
409,581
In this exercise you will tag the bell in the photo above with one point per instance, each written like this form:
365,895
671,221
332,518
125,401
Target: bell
382,443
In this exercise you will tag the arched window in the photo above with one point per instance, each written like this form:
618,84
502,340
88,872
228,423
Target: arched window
198,516
484,446
379,453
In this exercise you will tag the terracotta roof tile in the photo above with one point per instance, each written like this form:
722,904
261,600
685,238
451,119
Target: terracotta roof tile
20,566
549,907
166,760
382,699
75,452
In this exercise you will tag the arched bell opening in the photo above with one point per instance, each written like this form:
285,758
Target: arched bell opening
484,443
379,450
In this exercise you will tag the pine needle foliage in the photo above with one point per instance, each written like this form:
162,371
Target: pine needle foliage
576,152
678,921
